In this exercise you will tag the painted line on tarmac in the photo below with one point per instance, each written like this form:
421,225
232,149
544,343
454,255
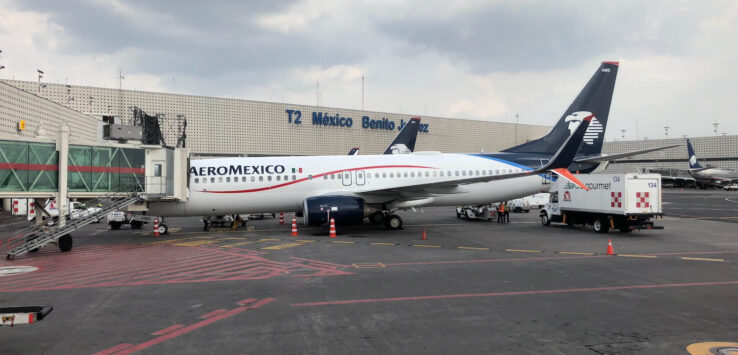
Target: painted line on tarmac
523,251
425,246
284,246
235,244
502,260
341,242
379,243
472,248
574,253
703,259
638,256
515,293
369,265
128,348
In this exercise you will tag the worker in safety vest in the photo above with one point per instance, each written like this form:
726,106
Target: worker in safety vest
507,212
501,213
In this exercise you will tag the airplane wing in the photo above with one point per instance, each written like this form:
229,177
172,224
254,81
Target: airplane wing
557,164
611,157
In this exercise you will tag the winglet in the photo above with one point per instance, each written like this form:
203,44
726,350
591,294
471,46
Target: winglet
569,176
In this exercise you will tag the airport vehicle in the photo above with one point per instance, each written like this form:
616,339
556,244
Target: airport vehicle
116,219
709,176
732,187
77,210
257,216
376,186
519,205
613,201
537,200
487,212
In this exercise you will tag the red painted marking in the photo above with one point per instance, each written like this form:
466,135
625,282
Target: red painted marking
315,177
613,63
113,349
30,317
189,328
213,313
168,329
246,301
514,293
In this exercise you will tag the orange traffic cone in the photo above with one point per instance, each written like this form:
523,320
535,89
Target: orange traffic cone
156,227
333,228
424,237
609,248
281,217
294,227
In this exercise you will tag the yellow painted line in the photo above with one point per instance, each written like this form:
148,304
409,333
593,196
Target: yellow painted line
306,240
168,241
268,240
383,243
702,259
283,246
369,265
574,253
235,244
231,238
522,251
638,256
174,230
339,242
195,243
204,237
425,246
472,248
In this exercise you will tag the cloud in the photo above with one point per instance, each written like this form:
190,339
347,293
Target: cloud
470,59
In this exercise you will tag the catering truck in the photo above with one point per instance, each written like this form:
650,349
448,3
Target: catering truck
625,202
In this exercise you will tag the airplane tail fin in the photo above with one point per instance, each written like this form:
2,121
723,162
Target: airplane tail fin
405,140
593,100
693,164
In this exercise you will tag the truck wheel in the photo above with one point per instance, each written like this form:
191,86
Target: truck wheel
65,242
115,225
544,220
136,224
393,222
600,225
163,229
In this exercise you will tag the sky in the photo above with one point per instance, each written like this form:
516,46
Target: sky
484,60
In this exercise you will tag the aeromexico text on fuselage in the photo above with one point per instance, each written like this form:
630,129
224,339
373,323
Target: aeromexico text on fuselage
237,170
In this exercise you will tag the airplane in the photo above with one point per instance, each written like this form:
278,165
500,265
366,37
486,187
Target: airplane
352,188
709,176
404,143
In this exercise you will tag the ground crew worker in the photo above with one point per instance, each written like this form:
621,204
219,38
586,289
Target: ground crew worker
501,212
206,226
507,212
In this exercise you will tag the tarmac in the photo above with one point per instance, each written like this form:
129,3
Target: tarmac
471,287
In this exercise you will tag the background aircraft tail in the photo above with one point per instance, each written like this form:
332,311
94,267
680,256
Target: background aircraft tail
405,140
693,164
594,99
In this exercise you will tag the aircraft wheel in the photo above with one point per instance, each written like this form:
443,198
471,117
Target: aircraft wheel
65,242
393,222
163,229
376,217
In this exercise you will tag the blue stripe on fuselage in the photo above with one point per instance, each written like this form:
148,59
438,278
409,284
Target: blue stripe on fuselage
517,165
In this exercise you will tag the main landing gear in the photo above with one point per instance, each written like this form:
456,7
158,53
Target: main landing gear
391,221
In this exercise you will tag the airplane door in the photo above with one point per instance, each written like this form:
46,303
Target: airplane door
360,178
346,178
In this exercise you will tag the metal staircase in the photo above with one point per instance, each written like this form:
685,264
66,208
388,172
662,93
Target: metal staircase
32,238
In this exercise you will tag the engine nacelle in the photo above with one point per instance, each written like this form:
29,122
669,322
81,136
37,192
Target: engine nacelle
345,210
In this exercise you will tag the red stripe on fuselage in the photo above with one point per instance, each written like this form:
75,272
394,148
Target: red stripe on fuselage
317,176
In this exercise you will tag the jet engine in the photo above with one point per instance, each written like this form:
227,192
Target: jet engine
345,210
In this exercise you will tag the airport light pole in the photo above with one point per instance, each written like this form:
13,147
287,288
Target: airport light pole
40,75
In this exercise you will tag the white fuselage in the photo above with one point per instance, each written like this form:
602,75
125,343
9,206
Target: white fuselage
273,184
